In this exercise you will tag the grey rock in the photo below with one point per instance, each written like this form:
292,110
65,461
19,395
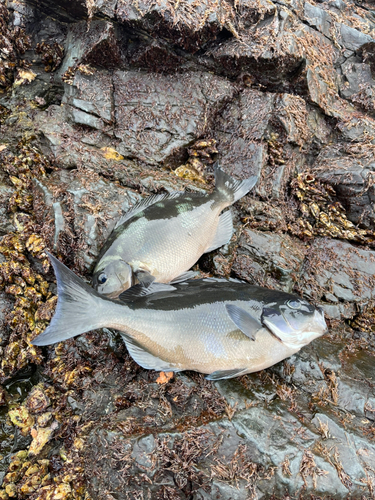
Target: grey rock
96,44
291,113
350,172
174,24
351,38
94,204
6,223
152,128
252,55
66,10
318,18
241,131
355,77
276,259
343,270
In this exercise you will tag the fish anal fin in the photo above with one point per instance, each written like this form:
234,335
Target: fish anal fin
144,358
224,231
225,374
244,320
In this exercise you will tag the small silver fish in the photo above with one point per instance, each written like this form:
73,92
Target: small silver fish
213,326
164,235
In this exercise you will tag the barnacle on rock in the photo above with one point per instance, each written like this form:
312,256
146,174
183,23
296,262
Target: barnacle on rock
14,43
201,153
52,55
37,401
21,418
364,321
275,150
31,313
322,214
68,76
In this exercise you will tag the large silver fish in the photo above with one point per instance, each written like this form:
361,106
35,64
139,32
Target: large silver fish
164,235
218,327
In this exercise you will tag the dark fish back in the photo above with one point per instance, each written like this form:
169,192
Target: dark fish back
190,294
161,210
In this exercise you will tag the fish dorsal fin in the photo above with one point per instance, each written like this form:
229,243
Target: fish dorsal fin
144,358
184,277
136,291
225,374
223,233
147,202
244,320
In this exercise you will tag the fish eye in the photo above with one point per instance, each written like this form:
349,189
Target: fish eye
294,304
102,278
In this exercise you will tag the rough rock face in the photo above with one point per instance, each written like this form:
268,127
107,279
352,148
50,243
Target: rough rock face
104,102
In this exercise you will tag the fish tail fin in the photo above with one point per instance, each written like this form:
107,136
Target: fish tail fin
77,311
230,188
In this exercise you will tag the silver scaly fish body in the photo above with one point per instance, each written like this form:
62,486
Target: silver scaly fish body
144,242
204,340
218,327
165,235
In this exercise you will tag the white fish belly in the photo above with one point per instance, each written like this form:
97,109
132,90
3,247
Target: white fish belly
166,248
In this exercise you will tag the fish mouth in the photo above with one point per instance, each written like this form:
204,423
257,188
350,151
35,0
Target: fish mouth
320,320
285,333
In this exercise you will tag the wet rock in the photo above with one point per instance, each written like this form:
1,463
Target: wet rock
318,18
241,131
356,77
95,44
152,128
83,208
64,9
267,259
291,113
350,172
261,134
352,39
340,274
252,55
175,24
90,101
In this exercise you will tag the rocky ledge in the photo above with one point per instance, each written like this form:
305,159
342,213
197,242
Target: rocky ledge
102,103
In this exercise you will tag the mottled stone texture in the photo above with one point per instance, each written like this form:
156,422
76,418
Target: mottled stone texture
286,92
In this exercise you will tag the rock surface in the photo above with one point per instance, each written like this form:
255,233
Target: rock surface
104,103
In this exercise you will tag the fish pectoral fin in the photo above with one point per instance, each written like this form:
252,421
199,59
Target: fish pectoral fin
184,277
144,277
144,358
225,374
244,320
223,233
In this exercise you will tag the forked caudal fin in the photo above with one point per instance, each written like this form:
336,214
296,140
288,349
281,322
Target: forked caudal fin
78,307
231,188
